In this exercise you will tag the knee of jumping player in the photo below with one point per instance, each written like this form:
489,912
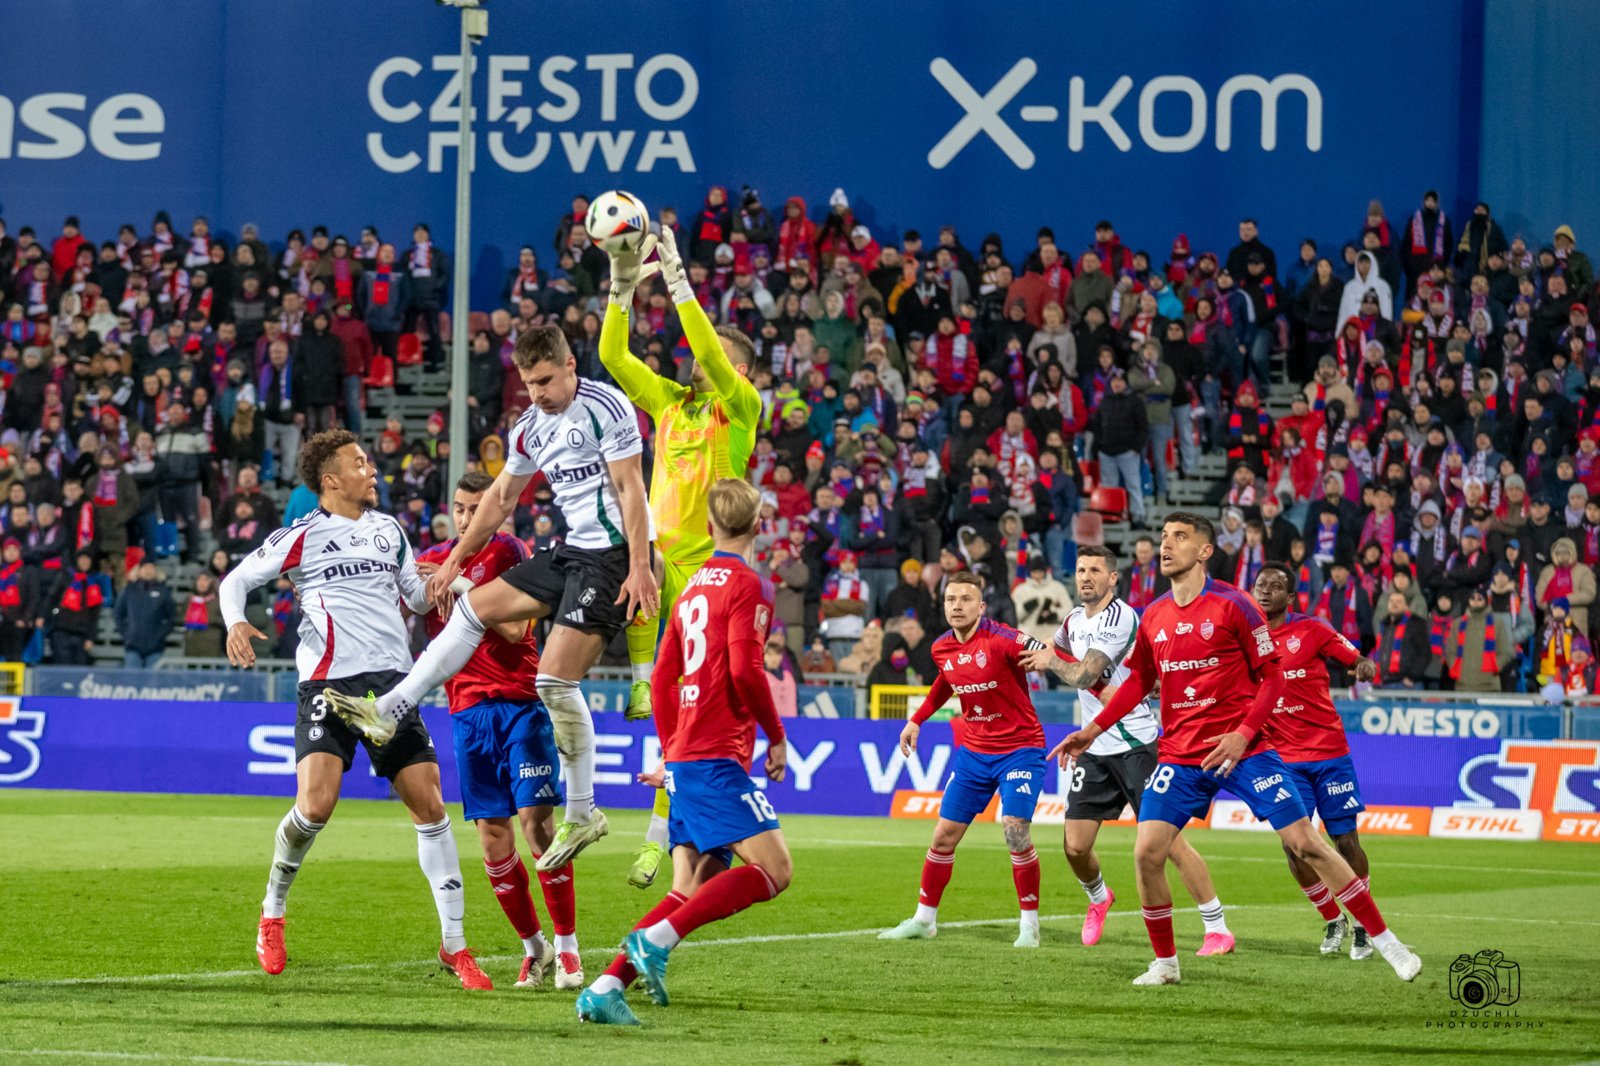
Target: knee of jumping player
779,870
1018,832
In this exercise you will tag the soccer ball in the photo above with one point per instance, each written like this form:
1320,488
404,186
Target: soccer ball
617,222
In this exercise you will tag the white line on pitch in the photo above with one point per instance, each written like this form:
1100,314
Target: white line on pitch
132,1056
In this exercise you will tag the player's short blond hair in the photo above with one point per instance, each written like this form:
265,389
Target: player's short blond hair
734,506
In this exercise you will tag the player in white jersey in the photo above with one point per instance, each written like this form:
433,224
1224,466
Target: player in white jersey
352,569
584,437
1090,647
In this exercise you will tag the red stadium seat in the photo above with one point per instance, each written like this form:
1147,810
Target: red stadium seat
409,352
381,374
1091,474
1088,528
1113,503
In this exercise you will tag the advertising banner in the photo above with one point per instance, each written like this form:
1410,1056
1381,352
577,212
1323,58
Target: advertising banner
180,686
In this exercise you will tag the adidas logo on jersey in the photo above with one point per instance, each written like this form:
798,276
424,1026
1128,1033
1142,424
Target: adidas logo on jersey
576,617
331,547
1281,795
1161,636
1351,803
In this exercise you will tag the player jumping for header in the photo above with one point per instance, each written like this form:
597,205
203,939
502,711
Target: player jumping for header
704,431
1089,649
1309,736
710,691
584,437
1001,747
1209,647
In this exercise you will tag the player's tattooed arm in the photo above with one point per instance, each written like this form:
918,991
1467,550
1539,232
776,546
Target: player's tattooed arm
1073,675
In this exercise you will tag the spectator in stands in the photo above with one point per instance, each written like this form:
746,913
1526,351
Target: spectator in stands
1401,651
20,600
1569,579
429,271
356,351
385,296
1121,431
144,615
203,629
319,373
844,605
1041,602
1481,646
76,599
781,677
181,450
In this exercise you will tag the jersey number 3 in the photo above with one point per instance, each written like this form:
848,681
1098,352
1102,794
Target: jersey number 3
692,617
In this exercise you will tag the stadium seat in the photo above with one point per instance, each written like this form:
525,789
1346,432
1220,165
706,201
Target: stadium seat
1088,527
1112,503
381,373
1091,474
409,352
477,322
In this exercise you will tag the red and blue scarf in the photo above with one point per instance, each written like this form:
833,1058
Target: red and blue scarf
1488,664
1347,624
1397,636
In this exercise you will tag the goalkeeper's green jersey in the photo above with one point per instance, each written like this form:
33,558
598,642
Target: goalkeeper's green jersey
700,437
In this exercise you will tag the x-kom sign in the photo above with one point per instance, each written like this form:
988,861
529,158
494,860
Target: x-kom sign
984,112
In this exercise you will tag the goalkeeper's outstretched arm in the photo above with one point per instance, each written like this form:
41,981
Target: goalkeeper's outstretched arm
726,381
638,382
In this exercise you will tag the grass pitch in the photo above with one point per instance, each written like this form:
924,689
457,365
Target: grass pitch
127,930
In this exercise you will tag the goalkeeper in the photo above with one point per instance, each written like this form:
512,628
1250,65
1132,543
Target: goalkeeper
704,431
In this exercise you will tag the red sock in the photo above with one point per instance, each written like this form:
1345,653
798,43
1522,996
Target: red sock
559,898
1025,872
936,870
1323,900
509,878
1358,901
620,968
1158,923
722,897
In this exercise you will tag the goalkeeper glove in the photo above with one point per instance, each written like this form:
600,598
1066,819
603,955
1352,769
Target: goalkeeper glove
672,271
629,269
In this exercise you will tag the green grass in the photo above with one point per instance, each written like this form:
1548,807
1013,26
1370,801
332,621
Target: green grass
158,896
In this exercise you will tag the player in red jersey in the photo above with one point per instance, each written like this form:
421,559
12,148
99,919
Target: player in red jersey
1309,736
709,692
1209,647
506,755
1000,747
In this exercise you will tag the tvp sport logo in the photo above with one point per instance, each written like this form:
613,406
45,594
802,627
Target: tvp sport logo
20,731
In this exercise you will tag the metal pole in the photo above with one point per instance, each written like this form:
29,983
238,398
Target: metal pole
460,347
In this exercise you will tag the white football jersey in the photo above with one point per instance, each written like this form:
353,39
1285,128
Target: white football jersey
572,449
1110,632
352,577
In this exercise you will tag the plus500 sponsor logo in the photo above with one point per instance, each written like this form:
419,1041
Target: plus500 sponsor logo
124,127
513,98
985,113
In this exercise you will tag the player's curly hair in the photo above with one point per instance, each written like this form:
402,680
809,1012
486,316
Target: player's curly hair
318,452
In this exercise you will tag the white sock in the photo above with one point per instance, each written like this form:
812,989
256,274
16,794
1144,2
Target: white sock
445,654
1170,960
1384,939
574,729
567,943
294,838
642,671
927,914
657,833
1211,914
1096,889
606,983
1029,919
662,935
436,854
533,946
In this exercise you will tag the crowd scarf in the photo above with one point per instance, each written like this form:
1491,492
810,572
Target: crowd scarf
1017,369
1438,626
1591,543
1142,585
1069,406
843,587
85,527
1487,664
1523,593
1438,543
978,495
1502,507
1341,435
1302,588
1347,625
1438,329
1349,353
1251,559
829,520
38,298
1533,470
85,592
1560,584
1457,557
1018,551
11,586
1396,636
1327,541
1419,241
1372,581
199,251
381,275
343,278
948,357
1408,364
195,615
1236,429
1099,386
1398,453
175,288
1242,497
878,403
1269,292
1589,341
282,609
916,481
1197,334
1319,399
1382,529
1361,461
1020,476
1225,308
420,260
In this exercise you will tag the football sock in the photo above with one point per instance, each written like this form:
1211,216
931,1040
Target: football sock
621,970
1025,874
1096,889
659,832
574,729
445,654
1158,923
436,853
1366,881
937,867
509,879
1323,900
1211,914
561,901
721,897
641,635
289,846
1358,901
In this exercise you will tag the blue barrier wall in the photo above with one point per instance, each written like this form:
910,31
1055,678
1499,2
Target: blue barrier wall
1165,118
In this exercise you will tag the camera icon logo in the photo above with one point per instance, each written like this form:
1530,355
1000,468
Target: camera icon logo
1487,979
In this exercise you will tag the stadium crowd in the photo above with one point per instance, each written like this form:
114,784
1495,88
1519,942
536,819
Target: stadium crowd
931,406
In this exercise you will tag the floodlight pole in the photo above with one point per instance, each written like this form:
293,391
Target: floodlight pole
474,28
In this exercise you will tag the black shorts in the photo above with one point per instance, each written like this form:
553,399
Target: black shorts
579,585
315,729
1102,785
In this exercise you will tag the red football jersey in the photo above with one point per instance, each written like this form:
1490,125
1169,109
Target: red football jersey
1210,658
1304,726
499,669
986,675
724,611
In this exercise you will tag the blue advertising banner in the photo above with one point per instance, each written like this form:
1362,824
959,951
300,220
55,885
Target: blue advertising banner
297,112
850,766
182,686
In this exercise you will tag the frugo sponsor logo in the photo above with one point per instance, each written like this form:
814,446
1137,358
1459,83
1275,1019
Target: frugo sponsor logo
569,103
125,127
983,113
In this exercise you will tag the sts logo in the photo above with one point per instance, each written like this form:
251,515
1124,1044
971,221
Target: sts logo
1526,775
19,730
